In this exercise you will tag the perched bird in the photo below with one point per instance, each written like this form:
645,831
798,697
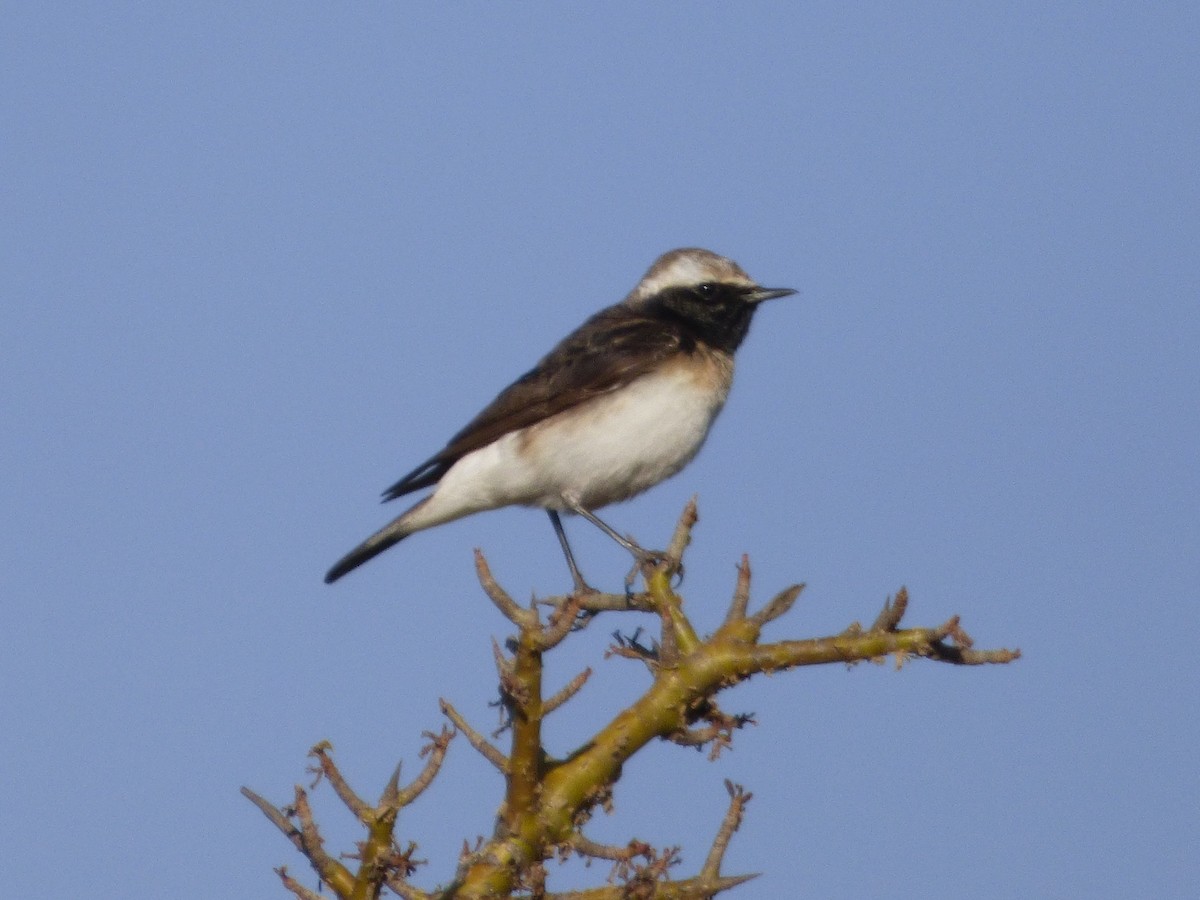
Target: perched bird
622,403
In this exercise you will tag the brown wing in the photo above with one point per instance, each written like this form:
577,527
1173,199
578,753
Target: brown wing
611,349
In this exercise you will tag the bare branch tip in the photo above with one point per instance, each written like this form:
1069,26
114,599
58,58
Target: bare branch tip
326,768
277,816
436,751
296,887
778,605
254,798
504,665
741,592
481,744
683,533
738,798
562,621
893,611
500,597
569,690
981,657
952,629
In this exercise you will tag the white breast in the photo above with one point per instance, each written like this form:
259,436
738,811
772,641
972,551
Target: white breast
602,451
617,446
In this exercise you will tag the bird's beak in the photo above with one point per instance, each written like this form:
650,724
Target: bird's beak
759,294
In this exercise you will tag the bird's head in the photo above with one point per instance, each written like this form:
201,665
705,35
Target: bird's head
711,293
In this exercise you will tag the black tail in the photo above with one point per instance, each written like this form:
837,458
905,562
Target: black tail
386,537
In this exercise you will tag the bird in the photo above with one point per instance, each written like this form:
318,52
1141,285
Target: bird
620,404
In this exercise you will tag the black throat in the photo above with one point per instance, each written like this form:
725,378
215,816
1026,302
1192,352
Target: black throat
716,315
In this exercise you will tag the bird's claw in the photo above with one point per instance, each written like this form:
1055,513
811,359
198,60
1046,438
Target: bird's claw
648,560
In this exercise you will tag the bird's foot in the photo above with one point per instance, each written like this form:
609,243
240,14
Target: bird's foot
647,561
580,592
581,588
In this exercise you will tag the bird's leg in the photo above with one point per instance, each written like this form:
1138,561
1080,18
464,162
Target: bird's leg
581,586
643,556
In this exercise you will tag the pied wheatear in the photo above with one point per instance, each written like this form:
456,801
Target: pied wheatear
622,403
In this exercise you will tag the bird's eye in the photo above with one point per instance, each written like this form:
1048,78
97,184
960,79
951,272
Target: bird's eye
707,289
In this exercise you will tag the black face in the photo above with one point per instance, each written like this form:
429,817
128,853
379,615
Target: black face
714,313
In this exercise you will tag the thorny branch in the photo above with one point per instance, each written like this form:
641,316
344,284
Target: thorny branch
548,798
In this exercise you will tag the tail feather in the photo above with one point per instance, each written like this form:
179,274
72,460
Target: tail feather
381,540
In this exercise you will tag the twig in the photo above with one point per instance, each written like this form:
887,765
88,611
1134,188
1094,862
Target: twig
476,740
569,690
685,889
314,844
561,622
741,593
278,819
953,629
778,605
296,887
893,611
514,613
683,533
631,648
599,602
436,751
304,838
362,811
719,731
504,666
585,846
966,657
738,798
405,890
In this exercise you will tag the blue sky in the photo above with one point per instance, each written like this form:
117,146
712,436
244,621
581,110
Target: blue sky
262,259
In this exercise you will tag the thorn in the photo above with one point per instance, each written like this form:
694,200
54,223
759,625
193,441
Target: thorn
391,793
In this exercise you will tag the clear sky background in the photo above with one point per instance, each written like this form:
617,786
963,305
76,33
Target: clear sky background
262,259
